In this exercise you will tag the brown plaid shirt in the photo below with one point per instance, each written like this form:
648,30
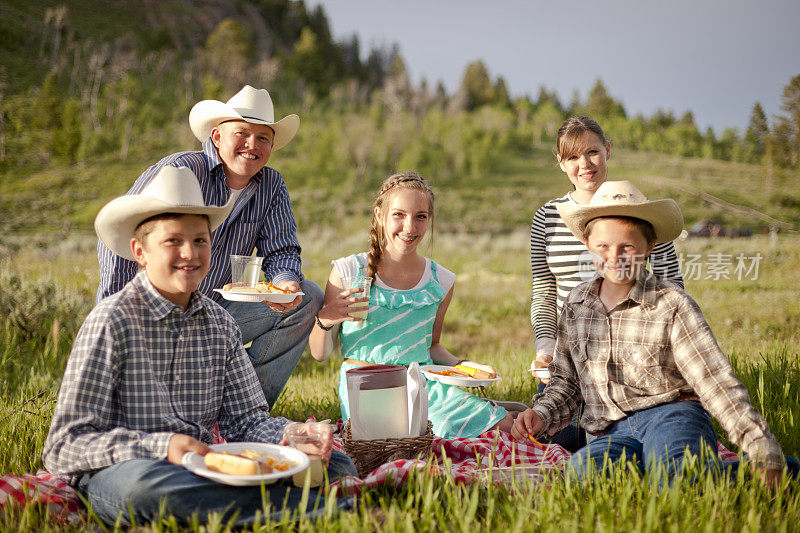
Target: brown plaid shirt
652,348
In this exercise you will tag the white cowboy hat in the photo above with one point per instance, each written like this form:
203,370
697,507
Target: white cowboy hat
249,104
622,198
172,190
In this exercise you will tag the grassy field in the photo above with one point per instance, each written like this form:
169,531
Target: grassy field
754,320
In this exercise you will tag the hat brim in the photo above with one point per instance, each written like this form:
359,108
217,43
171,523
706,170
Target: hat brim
208,114
664,215
116,222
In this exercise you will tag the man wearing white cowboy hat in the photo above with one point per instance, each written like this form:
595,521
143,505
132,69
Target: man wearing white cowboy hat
156,367
238,138
640,354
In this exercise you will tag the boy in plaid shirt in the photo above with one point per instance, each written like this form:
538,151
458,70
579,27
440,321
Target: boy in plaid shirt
638,351
155,367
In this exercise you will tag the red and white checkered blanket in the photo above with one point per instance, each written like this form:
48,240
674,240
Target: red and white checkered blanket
466,458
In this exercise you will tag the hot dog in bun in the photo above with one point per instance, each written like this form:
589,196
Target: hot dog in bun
237,465
475,370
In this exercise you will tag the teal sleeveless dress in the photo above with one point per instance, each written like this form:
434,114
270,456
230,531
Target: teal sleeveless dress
398,330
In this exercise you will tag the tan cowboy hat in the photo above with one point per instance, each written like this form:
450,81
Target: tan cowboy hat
249,104
172,190
622,198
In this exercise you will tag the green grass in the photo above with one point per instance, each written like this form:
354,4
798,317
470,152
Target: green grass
754,321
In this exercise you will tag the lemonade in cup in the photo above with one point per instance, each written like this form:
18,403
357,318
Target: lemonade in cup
311,438
359,282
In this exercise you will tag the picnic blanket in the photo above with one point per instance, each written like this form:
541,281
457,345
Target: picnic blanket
463,459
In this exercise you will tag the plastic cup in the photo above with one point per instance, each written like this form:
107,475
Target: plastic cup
359,282
245,270
311,438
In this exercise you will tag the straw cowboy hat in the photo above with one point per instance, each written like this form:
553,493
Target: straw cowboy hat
173,190
249,104
622,198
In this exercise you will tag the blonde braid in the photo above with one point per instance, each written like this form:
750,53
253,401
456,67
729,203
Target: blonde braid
409,180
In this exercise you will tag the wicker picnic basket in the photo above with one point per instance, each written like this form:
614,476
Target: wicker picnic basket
368,455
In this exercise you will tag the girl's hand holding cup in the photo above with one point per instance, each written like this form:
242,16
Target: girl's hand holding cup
351,304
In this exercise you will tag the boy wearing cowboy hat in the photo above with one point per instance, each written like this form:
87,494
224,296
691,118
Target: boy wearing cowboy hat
155,367
238,138
639,352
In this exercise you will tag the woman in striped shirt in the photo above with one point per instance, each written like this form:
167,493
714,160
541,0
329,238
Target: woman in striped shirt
559,261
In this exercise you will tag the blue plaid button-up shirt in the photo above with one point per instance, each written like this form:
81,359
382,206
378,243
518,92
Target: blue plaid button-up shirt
143,369
262,218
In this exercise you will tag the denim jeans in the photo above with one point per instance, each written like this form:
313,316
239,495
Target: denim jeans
658,437
278,338
134,492
652,438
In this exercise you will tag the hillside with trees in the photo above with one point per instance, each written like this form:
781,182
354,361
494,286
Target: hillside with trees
91,93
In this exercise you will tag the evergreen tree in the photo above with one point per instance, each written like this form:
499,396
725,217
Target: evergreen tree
601,104
476,86
755,139
306,62
789,124
501,93
551,97
228,53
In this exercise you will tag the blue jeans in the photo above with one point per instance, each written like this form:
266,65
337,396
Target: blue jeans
278,338
134,491
658,437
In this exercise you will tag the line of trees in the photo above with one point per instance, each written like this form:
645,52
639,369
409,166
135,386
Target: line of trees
98,97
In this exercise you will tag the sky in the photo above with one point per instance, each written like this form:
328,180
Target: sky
716,58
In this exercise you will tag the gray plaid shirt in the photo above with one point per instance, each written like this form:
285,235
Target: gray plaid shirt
653,347
143,369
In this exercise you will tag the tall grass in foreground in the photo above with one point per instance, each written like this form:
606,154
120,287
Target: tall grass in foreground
46,292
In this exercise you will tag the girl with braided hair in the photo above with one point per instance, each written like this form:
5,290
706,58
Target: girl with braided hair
407,304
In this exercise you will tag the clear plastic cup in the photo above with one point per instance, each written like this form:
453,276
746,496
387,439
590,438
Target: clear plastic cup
311,438
245,270
359,282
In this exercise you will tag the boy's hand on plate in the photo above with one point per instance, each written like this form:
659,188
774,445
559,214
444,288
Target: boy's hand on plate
181,444
526,423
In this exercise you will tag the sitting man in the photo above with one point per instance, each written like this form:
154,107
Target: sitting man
640,354
238,138
156,367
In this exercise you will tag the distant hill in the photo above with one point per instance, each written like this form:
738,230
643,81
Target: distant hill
93,92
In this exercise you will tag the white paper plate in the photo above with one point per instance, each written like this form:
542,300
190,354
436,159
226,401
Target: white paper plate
459,381
541,373
275,297
194,463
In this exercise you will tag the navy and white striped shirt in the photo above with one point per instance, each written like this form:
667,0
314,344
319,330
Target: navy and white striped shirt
262,218
560,262
143,369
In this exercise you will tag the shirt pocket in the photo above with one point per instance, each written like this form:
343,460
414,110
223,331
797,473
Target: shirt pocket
643,367
577,352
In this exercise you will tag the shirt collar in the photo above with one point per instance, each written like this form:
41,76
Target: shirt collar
159,306
643,291
214,161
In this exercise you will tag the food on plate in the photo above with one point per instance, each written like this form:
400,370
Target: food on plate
245,463
237,465
260,287
539,365
443,372
475,370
